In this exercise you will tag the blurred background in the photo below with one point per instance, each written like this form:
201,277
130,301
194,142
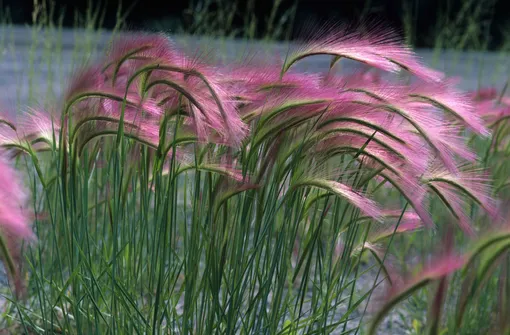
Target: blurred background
422,21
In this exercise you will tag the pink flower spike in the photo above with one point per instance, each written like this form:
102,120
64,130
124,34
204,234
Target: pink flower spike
13,198
350,45
457,205
457,103
474,183
409,222
39,124
354,197
84,80
14,221
144,46
414,192
438,268
228,171
376,46
408,60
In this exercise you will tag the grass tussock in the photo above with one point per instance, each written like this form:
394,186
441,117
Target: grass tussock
170,194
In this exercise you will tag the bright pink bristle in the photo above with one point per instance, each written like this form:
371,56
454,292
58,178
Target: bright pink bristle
471,183
458,103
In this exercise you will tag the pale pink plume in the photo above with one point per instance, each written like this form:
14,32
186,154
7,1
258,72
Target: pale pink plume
441,135
137,109
415,117
211,104
409,185
453,101
357,198
14,219
473,183
277,108
453,143
435,269
8,136
90,84
206,113
433,129
397,161
409,61
90,79
38,124
384,128
250,81
347,45
144,47
233,128
376,46
409,222
457,205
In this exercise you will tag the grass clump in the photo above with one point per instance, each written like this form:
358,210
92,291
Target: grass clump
172,195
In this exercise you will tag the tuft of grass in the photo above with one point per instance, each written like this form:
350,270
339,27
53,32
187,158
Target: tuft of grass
185,219
183,196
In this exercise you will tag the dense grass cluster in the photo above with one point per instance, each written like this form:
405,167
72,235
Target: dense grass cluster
169,194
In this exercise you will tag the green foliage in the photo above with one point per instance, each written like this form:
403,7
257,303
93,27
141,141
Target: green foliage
216,18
